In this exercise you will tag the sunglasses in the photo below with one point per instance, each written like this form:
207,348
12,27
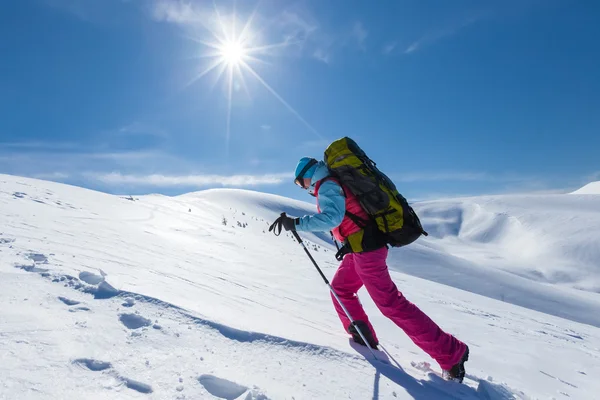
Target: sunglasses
300,178
300,182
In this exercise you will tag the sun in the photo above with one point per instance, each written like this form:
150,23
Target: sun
233,53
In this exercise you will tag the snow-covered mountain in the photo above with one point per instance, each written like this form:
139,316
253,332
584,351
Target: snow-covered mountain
590,188
191,297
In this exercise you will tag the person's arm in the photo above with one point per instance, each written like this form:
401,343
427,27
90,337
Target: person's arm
332,204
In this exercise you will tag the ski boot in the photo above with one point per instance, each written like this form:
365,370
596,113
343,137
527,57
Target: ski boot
364,328
457,372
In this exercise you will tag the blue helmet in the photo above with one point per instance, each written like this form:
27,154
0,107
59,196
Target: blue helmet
306,168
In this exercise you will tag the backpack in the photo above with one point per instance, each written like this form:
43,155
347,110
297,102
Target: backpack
387,208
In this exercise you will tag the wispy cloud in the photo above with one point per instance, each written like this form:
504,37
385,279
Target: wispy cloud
179,12
593,177
360,35
302,28
140,129
52,176
322,55
296,27
297,30
36,158
389,48
440,176
198,181
469,176
497,183
37,145
112,169
265,127
315,144
439,34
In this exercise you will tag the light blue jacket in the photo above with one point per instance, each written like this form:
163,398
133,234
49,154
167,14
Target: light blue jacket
331,202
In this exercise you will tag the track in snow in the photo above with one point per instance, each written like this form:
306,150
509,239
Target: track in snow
249,345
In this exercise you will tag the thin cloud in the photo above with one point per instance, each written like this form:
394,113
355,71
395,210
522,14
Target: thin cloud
470,176
142,168
322,55
178,12
307,36
360,35
38,146
50,155
296,27
159,180
295,30
41,158
319,145
441,176
52,176
593,177
265,127
140,129
437,35
389,48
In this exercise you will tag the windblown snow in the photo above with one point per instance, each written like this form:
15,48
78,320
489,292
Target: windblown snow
190,297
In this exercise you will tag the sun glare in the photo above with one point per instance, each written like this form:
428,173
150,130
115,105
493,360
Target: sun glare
233,53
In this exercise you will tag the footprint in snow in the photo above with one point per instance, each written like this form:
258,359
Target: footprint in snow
37,258
68,302
134,321
105,291
93,365
129,302
90,278
136,385
32,268
76,309
97,365
222,388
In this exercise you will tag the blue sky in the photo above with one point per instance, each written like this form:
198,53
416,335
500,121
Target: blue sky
450,98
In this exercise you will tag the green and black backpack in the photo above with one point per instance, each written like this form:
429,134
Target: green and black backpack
377,194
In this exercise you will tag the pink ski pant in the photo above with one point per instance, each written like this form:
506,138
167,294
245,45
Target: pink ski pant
370,269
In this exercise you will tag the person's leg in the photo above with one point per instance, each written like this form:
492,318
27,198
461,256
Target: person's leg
371,267
346,284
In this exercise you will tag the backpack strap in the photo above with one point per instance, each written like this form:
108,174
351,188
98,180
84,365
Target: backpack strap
360,222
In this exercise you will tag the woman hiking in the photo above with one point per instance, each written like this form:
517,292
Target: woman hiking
337,212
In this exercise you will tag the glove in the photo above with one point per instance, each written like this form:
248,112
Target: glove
289,224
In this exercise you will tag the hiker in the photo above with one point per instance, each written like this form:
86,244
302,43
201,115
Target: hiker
339,211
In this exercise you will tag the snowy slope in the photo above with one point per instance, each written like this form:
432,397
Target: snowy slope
530,250
590,188
155,297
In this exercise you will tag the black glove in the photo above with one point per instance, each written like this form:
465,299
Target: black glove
289,224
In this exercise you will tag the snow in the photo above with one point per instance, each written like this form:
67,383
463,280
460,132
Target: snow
590,188
155,297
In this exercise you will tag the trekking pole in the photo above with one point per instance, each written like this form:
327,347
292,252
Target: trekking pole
299,239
